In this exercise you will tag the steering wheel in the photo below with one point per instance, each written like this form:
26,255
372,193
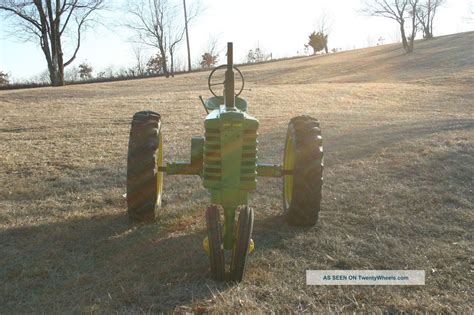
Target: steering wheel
210,84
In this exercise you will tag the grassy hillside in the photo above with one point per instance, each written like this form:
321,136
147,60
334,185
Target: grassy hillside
399,153
444,60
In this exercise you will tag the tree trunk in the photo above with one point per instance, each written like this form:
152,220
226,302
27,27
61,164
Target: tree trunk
55,67
404,37
172,64
427,33
413,27
165,64
431,28
410,46
187,35
165,69
53,75
59,66
56,70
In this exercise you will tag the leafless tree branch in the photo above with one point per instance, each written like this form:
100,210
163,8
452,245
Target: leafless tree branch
46,21
396,10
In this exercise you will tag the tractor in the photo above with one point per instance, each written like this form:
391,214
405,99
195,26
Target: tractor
226,159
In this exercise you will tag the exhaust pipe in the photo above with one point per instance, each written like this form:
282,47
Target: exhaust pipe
229,84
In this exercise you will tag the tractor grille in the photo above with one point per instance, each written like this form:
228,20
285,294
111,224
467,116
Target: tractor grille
248,171
212,155
213,162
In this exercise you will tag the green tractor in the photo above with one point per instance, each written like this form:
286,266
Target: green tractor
226,160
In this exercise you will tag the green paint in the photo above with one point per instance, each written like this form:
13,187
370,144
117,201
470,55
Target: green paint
226,158
230,160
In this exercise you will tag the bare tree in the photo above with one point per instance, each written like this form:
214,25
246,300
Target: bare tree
48,22
175,33
210,54
148,18
140,59
257,55
156,24
324,25
426,13
414,24
392,9
71,74
85,71
42,78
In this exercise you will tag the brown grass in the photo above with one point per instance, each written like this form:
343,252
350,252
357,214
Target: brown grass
398,193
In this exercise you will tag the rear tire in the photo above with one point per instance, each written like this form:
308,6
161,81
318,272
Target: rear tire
304,157
145,155
216,250
240,251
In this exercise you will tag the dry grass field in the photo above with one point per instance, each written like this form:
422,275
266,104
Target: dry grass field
399,166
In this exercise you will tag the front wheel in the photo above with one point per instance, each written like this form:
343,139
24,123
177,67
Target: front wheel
303,167
215,244
242,245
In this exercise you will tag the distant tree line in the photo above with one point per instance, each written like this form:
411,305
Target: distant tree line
52,22
257,55
162,25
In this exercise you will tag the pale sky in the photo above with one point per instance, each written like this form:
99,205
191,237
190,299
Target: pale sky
279,27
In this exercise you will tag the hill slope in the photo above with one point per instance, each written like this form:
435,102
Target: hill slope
398,137
447,59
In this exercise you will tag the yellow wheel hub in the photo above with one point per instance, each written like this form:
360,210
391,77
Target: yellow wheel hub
288,165
205,245
159,176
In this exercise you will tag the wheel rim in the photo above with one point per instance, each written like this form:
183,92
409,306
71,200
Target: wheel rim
159,162
288,165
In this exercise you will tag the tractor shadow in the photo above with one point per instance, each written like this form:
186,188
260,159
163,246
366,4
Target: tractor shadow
106,264
363,143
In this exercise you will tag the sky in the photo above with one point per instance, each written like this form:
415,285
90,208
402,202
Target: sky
279,27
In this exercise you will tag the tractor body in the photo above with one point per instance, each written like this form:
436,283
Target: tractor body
226,158
230,161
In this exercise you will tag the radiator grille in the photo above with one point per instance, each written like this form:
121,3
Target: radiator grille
248,164
212,155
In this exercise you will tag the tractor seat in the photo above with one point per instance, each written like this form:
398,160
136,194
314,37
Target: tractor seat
216,101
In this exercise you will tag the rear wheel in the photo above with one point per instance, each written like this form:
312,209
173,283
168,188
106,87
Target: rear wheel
216,250
303,159
242,244
145,156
